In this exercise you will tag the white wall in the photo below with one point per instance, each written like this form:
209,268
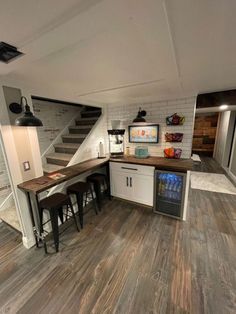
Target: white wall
232,166
157,113
221,136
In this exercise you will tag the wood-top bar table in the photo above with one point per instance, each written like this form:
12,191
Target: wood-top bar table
34,187
160,163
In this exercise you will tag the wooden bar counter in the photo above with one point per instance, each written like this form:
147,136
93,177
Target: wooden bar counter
160,163
34,187
44,183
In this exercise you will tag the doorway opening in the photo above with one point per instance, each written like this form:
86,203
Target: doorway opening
204,135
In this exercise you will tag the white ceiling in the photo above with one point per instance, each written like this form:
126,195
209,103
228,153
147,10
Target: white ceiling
126,51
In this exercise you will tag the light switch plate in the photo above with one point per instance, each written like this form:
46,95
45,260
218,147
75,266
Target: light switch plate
26,165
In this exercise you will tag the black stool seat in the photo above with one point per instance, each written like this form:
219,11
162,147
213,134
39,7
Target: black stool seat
97,176
54,204
98,180
79,189
54,201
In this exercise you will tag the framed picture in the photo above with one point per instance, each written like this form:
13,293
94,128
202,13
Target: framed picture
148,133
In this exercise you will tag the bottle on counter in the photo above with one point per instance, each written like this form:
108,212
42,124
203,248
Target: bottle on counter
101,150
127,151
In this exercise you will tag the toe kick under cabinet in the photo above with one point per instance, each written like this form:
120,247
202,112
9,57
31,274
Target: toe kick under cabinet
132,182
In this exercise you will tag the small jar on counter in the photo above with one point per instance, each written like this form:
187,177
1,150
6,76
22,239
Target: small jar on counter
127,151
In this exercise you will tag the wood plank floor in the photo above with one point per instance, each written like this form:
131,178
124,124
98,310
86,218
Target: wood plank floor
129,260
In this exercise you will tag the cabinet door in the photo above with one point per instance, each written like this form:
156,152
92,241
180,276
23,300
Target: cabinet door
142,189
120,185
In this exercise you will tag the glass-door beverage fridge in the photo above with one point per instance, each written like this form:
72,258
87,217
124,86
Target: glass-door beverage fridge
170,193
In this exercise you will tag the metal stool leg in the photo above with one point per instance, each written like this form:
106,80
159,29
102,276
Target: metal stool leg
94,200
86,196
97,190
55,229
73,214
79,198
60,213
41,230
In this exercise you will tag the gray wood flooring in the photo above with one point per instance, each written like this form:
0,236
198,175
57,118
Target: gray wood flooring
129,260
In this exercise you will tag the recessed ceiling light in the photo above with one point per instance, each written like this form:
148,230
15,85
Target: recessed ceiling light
223,107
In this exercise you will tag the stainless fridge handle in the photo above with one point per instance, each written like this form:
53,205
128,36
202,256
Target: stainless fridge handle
127,181
130,181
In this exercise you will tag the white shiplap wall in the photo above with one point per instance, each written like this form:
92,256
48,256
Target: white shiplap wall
157,113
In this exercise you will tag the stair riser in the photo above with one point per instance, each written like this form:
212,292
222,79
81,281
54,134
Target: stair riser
90,114
57,161
79,131
85,122
73,140
65,150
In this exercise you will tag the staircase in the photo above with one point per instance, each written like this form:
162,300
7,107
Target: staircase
63,152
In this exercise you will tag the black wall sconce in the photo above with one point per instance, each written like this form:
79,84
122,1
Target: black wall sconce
140,116
28,119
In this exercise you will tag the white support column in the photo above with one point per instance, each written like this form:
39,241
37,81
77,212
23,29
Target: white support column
20,144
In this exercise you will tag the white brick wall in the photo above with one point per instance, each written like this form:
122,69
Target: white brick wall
54,117
157,113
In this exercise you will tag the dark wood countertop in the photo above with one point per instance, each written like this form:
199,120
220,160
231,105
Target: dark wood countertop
178,165
43,183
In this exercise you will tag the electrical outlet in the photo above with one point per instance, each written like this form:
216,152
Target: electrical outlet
26,165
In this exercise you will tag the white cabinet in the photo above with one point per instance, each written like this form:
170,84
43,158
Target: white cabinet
143,189
120,184
132,182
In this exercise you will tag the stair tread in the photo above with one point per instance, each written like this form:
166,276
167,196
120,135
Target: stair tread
68,145
87,119
91,111
74,135
60,156
82,127
48,168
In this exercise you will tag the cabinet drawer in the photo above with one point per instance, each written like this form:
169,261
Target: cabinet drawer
132,168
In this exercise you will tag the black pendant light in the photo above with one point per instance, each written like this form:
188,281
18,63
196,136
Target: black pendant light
140,116
28,119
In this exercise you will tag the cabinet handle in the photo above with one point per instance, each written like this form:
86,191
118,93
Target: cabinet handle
127,181
129,168
130,182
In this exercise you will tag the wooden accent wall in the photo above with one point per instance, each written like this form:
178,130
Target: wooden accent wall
204,133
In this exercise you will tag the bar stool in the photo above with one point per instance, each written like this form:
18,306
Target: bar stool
79,189
54,205
99,180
